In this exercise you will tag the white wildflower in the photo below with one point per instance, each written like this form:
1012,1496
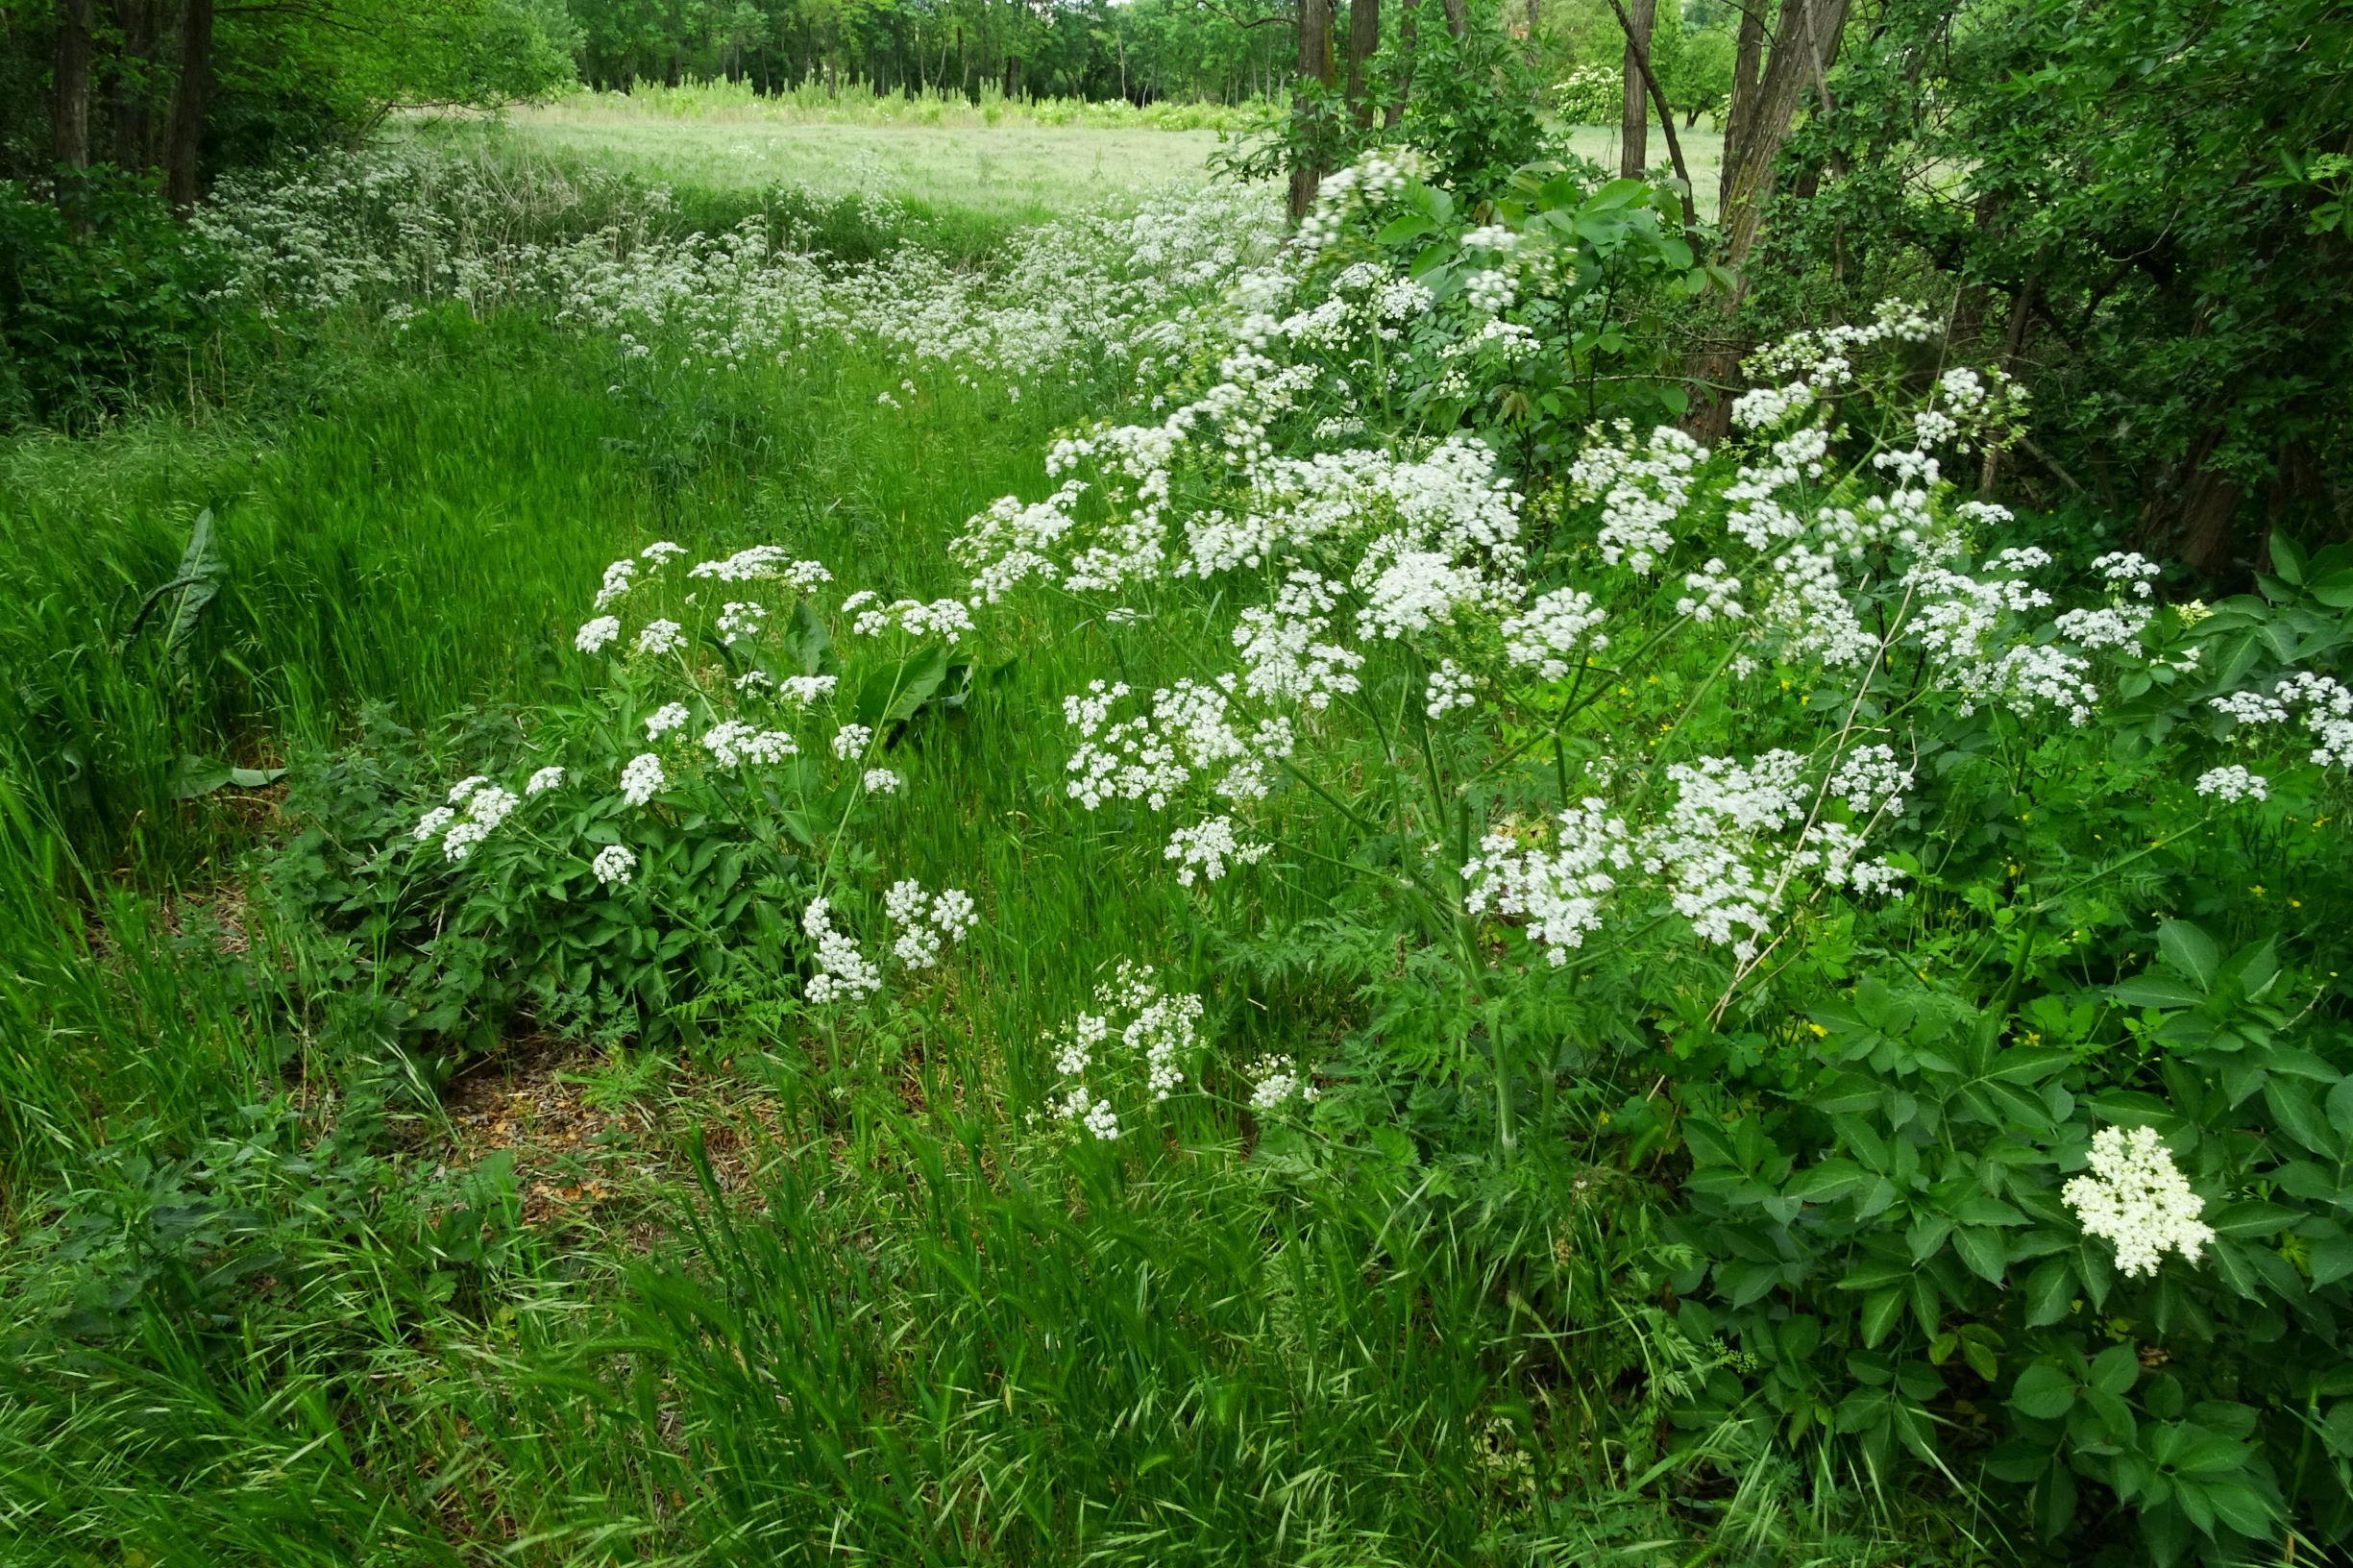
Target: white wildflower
642,780
2137,1200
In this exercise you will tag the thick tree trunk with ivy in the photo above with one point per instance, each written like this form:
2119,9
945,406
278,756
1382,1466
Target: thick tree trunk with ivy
69,112
1314,66
1363,38
1634,112
187,127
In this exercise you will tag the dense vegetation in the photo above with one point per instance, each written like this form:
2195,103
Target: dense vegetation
1540,864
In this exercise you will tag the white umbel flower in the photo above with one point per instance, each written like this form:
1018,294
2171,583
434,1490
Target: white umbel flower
614,863
641,779
544,780
2234,784
2137,1200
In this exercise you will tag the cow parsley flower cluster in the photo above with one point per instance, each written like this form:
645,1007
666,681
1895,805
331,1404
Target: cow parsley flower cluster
929,922
844,973
1160,1036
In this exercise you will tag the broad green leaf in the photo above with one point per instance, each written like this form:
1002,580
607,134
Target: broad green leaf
2050,1292
2042,1391
2190,950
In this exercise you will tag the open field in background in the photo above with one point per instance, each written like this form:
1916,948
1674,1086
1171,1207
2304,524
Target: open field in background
1008,175
1012,170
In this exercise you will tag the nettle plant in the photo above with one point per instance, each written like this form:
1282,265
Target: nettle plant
702,819
1693,804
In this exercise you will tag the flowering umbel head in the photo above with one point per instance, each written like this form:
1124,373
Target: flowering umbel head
2136,1199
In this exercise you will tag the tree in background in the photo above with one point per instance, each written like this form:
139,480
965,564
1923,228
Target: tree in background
2139,207
177,88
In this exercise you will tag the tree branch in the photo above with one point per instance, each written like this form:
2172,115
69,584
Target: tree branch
1666,113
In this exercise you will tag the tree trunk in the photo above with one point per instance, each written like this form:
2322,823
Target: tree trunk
1639,47
1748,185
1458,16
1535,20
1793,65
134,83
1748,60
70,108
1363,38
1409,35
187,128
1315,65
1634,116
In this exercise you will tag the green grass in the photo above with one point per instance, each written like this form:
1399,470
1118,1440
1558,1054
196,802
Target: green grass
267,1307
1007,174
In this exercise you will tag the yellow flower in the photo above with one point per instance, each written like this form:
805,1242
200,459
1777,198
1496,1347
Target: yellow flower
2256,889
1818,1031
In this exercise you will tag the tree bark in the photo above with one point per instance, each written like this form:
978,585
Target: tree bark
1458,16
1748,185
1666,116
134,86
187,128
1793,64
1748,62
1363,38
1409,35
1638,17
69,110
1315,65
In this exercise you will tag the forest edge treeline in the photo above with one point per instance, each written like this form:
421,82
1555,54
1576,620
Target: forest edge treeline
2141,211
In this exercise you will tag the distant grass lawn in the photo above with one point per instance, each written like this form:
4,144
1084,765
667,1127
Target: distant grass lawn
1009,173
1015,172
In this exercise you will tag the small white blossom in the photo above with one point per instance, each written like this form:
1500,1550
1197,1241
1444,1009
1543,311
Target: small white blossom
665,718
594,635
544,780
614,862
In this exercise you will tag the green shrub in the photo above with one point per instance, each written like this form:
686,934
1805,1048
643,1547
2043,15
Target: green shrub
102,293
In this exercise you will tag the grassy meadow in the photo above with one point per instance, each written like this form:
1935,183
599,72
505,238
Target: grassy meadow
402,1169
282,1291
1014,172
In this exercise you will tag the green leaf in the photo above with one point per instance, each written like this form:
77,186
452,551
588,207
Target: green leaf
2115,1369
1880,1309
193,777
1982,1250
1412,225
2287,558
2339,1105
2190,950
2050,1292
2159,990
2332,1261
2042,1391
